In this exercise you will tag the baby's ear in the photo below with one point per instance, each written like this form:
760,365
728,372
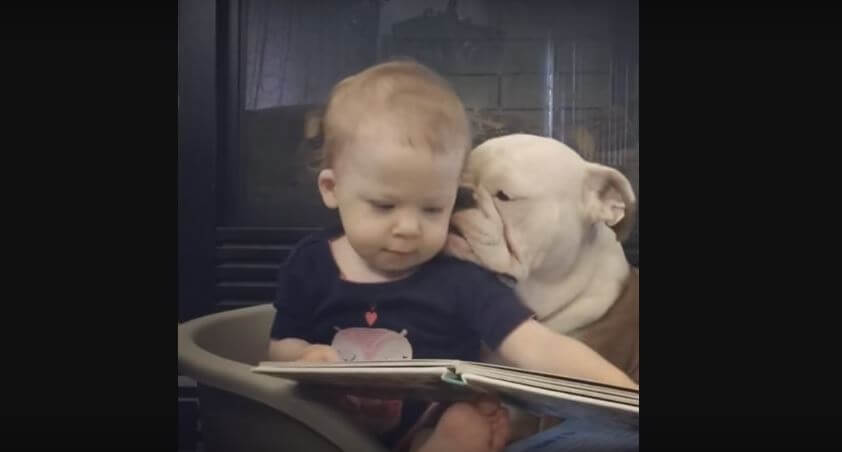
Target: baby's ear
609,198
327,187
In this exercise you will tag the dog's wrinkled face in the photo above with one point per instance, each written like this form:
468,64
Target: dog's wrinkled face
537,202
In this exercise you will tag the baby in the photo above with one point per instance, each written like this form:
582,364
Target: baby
396,138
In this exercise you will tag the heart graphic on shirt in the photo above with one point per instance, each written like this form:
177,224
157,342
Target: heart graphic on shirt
370,317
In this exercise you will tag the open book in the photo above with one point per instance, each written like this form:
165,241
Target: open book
609,411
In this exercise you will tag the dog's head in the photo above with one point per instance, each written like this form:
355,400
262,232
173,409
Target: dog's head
535,204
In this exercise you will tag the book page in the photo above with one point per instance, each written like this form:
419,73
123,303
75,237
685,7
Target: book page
538,376
454,380
268,366
425,382
535,378
559,404
628,397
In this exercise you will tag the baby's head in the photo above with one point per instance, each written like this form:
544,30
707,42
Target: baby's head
396,137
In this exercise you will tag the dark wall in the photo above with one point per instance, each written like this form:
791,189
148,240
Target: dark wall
197,147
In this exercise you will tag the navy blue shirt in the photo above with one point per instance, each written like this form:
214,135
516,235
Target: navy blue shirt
447,307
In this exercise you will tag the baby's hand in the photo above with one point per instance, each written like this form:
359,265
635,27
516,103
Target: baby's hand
319,353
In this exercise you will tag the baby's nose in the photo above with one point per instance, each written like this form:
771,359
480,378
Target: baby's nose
408,225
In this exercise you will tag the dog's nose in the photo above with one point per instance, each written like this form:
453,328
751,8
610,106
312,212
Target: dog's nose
464,198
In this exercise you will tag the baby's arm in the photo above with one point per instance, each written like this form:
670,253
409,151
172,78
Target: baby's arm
534,346
294,349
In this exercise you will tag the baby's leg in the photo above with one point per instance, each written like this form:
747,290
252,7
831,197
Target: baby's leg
481,426
523,424
374,415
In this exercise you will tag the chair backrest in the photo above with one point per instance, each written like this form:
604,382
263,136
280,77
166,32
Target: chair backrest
239,335
247,264
218,351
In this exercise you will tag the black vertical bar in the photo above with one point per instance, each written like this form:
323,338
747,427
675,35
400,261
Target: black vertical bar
197,147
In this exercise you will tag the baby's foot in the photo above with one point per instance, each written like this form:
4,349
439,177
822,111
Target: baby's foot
482,426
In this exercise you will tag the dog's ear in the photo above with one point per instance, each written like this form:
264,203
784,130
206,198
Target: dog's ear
609,198
465,198
465,194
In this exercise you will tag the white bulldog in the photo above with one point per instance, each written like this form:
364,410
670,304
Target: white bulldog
554,223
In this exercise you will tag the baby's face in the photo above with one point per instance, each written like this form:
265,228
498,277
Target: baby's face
395,202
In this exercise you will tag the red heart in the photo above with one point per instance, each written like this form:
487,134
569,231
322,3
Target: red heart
370,317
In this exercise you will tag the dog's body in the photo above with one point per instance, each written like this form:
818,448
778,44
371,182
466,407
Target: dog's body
554,223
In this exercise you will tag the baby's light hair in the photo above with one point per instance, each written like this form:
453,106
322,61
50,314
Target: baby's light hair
401,98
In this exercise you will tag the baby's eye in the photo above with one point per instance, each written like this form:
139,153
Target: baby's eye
433,210
502,196
382,205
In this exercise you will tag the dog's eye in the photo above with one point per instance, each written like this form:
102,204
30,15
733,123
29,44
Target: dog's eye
502,196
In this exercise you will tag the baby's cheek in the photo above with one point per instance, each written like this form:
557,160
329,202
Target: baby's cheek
437,235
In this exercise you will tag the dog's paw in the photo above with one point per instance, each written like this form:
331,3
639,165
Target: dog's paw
458,247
